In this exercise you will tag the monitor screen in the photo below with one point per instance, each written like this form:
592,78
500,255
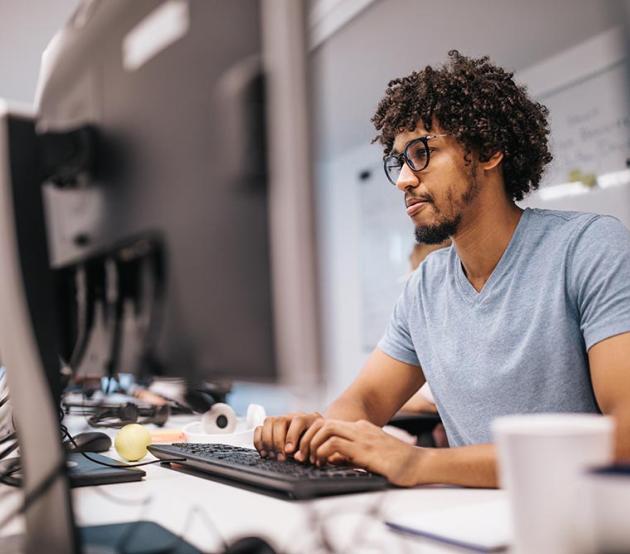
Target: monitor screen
168,235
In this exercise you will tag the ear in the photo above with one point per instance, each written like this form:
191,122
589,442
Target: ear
492,162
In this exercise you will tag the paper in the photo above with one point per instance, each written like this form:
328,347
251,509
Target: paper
483,527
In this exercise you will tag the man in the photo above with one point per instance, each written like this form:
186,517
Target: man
527,311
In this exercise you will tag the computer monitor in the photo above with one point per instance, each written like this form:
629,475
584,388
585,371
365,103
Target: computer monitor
168,233
160,199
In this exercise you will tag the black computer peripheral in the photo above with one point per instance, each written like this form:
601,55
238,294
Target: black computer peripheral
293,479
129,412
147,537
90,441
83,470
89,471
249,545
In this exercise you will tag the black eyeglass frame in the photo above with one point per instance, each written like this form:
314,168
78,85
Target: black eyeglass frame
403,157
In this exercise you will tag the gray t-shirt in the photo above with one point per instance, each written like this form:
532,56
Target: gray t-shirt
520,345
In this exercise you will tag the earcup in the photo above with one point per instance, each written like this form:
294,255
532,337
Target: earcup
221,418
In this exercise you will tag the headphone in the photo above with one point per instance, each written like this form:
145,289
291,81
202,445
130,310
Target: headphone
124,414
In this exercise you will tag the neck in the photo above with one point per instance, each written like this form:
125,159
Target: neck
484,235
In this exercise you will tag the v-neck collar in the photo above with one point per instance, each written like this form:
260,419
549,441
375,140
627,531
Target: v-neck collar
465,286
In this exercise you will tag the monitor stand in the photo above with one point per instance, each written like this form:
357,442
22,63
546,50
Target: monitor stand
29,353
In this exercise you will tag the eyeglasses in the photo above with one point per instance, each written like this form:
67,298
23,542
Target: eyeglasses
416,155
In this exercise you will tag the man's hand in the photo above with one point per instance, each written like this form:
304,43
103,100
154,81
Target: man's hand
281,436
365,445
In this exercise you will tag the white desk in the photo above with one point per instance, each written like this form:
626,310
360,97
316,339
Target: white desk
186,505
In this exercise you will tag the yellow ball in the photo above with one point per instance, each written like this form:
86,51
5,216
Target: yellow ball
131,442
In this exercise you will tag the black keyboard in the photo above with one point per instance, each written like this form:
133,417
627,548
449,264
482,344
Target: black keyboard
291,478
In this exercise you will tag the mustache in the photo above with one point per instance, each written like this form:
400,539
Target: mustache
411,199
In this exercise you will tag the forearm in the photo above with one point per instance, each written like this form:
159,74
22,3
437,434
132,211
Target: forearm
418,404
347,408
355,405
378,392
468,466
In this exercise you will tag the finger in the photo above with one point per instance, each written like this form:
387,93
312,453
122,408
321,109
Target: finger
267,436
278,436
304,451
258,438
296,429
335,447
343,429
337,459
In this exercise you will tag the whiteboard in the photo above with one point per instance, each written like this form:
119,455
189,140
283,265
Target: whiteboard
590,125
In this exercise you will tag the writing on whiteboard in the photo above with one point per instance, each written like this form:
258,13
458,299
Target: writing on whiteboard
590,125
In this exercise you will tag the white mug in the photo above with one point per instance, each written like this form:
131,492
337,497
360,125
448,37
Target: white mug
542,459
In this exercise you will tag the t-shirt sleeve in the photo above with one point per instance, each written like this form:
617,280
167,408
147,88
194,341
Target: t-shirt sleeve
396,341
600,277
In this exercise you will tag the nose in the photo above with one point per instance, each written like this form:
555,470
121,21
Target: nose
407,179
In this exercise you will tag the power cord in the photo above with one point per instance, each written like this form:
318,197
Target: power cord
66,434
4,453
8,437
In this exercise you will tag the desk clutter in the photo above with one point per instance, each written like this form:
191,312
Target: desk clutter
218,425
219,445
217,421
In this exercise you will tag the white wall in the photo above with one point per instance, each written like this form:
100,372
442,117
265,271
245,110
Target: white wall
339,224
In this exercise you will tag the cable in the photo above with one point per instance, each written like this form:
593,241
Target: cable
37,491
321,539
83,317
66,434
65,431
45,484
8,437
8,450
12,466
179,537
123,501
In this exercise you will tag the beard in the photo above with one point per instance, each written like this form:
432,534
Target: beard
447,227
435,234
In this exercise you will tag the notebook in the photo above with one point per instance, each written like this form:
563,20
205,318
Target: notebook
482,527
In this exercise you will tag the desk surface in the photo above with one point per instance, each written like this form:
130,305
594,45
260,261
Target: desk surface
199,509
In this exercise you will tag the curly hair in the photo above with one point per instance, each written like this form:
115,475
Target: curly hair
481,106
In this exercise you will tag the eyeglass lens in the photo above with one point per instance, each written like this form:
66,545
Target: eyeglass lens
417,156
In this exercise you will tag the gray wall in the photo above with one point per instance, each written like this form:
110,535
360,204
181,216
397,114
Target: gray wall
26,26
